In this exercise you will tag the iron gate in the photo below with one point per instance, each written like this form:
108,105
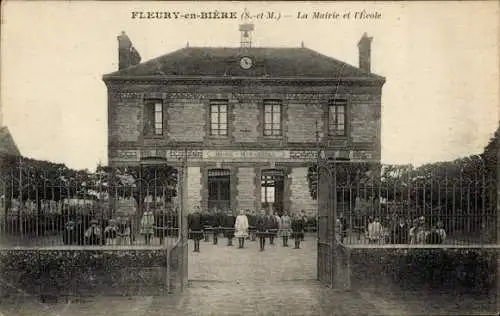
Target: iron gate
326,228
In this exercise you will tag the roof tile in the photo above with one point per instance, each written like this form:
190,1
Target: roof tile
224,61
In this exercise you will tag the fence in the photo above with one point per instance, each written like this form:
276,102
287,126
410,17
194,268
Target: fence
40,213
448,204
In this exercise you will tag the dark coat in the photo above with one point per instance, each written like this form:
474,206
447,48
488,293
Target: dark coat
70,233
298,225
262,223
194,222
218,219
206,219
399,234
229,221
272,222
252,220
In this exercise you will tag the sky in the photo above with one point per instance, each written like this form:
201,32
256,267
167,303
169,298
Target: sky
440,60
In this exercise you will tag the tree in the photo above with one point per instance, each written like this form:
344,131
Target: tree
491,154
348,175
26,179
138,182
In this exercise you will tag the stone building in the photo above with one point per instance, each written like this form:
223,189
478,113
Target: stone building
249,119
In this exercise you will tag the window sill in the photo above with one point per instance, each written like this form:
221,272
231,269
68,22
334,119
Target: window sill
154,136
217,137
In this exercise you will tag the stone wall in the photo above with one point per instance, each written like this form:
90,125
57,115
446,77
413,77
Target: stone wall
300,197
245,117
193,188
365,118
302,118
186,121
246,188
186,115
124,117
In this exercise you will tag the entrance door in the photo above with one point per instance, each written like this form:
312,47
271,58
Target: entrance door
219,189
272,189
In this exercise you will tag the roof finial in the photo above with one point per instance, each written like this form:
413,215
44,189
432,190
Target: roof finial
246,30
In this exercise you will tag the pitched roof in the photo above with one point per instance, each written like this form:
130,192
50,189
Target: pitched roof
224,61
7,144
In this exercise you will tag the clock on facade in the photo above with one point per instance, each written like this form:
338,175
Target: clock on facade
246,62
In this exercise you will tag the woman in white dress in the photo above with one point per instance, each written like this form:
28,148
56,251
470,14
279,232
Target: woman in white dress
147,226
241,228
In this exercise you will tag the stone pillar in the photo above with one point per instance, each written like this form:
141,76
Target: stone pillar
194,188
246,189
300,196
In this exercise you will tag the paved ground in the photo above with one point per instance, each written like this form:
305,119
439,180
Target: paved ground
230,281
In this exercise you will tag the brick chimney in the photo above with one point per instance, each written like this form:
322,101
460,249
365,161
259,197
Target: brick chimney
365,48
127,55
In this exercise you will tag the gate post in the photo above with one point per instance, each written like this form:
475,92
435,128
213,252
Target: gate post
333,223
183,225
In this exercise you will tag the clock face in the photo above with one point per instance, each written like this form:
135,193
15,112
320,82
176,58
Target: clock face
246,62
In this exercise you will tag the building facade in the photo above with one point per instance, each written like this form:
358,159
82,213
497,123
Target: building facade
249,120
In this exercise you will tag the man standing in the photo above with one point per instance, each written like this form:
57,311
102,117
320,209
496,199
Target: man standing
216,223
273,222
298,226
206,224
229,221
262,228
304,219
252,222
399,233
195,228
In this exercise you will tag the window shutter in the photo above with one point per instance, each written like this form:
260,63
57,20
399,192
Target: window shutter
149,117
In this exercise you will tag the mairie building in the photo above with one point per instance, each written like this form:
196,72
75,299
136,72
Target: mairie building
249,119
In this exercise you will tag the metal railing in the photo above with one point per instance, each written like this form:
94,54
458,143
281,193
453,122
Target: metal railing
447,204
75,214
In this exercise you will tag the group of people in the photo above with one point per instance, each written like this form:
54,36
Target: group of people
79,232
247,225
116,231
419,232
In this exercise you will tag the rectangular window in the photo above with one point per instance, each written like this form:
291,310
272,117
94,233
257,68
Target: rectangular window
337,117
219,189
272,118
272,189
153,119
218,117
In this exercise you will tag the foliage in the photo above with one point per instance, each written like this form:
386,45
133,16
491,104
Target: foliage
82,271
464,185
451,269
36,180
